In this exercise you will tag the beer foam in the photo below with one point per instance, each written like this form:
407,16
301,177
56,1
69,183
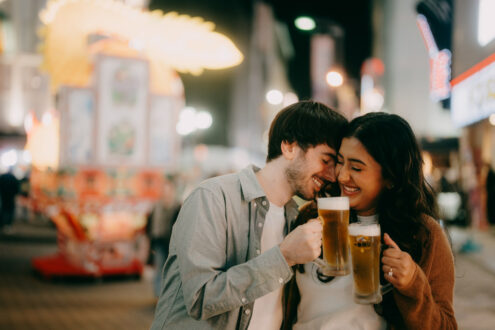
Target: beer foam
333,203
356,229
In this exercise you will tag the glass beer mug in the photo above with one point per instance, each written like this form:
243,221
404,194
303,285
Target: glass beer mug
364,238
334,215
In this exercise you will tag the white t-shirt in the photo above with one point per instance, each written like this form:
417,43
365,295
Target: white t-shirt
330,306
267,310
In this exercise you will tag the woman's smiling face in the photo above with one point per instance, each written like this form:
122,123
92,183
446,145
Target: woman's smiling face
359,176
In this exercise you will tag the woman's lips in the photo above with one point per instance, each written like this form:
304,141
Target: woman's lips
350,190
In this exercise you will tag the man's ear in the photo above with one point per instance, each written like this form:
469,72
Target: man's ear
289,150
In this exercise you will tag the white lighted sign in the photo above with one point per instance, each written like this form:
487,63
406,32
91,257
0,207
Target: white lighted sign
486,24
473,93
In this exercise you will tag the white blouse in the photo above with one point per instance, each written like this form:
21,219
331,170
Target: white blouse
330,306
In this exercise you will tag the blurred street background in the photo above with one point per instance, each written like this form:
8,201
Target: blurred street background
111,111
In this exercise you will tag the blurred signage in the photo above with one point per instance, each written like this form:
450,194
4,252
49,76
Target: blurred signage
122,109
77,129
322,59
486,31
439,62
372,91
473,93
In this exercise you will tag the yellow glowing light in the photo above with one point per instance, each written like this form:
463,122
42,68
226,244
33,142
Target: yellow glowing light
186,44
43,142
492,119
29,122
427,164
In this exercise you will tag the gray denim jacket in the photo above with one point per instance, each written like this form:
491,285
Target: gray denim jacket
215,269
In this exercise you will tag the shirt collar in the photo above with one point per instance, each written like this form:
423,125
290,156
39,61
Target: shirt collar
251,188
368,218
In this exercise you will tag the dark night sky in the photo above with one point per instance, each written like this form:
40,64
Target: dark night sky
232,18
354,16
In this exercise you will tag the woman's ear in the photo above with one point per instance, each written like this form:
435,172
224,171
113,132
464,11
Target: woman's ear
289,150
389,185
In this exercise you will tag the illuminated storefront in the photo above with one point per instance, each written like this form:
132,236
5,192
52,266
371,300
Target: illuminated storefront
473,98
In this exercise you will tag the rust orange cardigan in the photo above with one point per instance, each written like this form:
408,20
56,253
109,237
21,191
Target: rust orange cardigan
428,302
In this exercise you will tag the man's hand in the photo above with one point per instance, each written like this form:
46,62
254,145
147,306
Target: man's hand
303,244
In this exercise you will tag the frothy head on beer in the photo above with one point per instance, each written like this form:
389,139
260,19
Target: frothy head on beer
333,203
356,229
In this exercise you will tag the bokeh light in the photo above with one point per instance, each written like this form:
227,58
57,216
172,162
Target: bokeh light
274,97
305,23
334,79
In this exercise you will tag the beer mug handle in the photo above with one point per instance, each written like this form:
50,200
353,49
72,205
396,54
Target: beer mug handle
386,288
324,269
320,263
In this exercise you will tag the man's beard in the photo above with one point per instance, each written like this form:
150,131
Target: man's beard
295,176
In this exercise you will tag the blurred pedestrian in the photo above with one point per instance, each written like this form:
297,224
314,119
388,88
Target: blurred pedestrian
163,218
9,187
490,195
228,256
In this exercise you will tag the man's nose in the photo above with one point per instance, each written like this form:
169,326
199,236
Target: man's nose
329,173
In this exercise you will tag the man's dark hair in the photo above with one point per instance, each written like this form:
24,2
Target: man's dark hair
309,124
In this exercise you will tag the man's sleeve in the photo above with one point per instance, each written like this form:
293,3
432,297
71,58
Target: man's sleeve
210,285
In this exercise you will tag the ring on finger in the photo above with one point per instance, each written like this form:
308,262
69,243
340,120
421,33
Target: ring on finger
390,272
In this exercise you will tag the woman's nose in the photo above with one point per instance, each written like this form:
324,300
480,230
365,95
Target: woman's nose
342,174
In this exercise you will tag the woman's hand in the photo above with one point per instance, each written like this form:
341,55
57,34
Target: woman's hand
397,265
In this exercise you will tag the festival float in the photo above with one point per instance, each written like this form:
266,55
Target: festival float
99,159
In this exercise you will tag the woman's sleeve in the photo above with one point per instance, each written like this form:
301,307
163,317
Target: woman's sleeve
428,302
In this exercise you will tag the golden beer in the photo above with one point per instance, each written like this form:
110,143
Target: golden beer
334,214
365,252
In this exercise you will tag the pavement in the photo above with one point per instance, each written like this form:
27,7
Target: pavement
28,301
476,245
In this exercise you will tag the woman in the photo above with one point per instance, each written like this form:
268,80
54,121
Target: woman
379,168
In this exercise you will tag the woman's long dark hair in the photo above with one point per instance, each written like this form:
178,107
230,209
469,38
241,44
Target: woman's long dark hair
407,198
391,142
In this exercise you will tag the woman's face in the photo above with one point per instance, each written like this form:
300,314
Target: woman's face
360,176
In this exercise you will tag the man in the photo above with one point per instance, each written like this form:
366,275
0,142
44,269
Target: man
9,187
162,219
228,258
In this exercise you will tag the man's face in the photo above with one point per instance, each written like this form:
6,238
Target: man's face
310,170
